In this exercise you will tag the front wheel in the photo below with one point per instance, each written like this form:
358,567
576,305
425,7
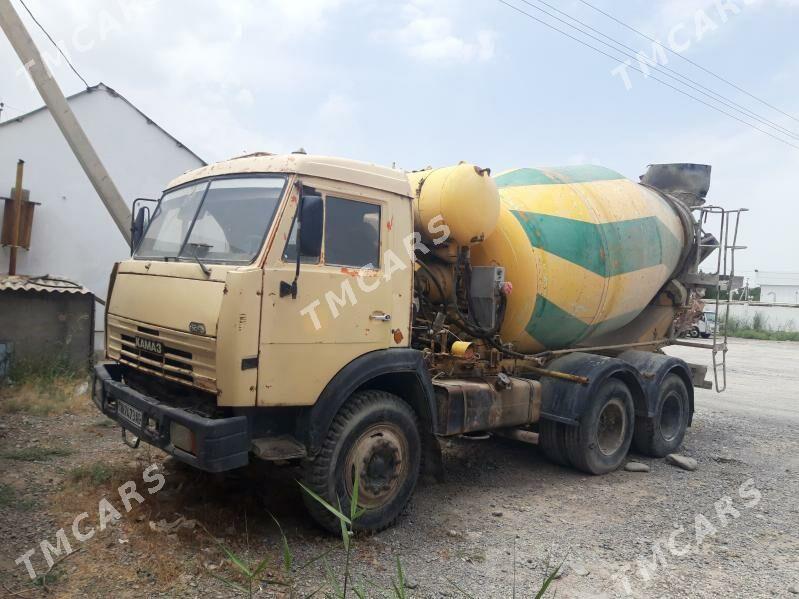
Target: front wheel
375,434
600,442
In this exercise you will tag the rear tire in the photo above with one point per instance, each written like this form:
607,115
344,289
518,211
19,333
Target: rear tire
663,434
600,442
377,433
552,439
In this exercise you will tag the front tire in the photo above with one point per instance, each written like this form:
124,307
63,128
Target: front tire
662,434
377,434
601,441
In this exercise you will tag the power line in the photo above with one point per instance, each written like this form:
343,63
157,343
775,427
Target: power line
71,66
675,88
688,60
667,71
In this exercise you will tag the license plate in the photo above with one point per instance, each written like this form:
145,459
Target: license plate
130,413
150,346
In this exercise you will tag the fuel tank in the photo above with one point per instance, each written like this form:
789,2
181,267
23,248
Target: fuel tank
585,249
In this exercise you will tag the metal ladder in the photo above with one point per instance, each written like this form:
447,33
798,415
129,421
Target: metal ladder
727,244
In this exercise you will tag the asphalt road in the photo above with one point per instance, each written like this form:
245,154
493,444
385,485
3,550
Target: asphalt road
762,378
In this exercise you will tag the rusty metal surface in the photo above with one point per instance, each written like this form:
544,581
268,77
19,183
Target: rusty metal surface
471,405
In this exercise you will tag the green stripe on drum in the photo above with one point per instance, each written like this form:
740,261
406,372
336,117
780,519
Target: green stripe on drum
554,327
606,249
583,173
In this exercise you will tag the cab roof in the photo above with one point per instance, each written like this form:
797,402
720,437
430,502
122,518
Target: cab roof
325,167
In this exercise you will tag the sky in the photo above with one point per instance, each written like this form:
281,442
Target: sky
431,82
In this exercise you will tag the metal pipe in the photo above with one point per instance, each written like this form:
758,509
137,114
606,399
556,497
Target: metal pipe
23,45
556,374
560,352
12,255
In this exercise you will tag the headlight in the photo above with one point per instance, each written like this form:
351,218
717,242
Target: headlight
183,438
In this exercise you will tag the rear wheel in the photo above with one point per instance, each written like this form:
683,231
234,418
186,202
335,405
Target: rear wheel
663,433
600,442
375,434
552,440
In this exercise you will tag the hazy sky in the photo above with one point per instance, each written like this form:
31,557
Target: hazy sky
432,82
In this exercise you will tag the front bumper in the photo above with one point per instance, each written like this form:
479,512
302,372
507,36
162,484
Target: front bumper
221,443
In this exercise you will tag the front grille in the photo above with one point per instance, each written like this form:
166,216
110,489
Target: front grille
187,358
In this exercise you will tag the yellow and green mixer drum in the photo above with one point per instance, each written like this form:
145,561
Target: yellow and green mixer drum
585,249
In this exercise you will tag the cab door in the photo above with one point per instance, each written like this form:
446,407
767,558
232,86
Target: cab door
351,299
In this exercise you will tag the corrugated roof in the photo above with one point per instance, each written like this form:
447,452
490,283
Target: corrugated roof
43,283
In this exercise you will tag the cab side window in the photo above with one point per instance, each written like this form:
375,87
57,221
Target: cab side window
352,233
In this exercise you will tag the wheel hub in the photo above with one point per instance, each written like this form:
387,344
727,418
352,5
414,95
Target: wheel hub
378,457
612,427
670,416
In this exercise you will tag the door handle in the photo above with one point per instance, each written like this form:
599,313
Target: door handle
380,316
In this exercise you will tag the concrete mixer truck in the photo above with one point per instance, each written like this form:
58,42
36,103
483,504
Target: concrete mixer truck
345,317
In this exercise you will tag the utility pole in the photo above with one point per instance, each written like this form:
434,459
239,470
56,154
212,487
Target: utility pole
54,98
17,203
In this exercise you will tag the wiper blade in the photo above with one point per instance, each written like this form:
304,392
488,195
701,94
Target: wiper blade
197,246
206,270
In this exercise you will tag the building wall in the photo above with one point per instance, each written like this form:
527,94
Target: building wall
47,328
780,294
73,234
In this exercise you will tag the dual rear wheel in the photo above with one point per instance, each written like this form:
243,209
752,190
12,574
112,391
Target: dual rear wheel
608,427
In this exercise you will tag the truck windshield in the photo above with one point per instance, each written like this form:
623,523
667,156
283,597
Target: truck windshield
217,220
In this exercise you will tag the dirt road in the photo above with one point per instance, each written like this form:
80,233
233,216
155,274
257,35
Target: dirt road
503,517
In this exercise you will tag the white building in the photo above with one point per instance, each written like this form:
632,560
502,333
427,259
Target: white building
778,287
73,235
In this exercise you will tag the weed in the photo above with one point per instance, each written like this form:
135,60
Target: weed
35,454
247,576
7,495
45,395
97,473
757,327
9,498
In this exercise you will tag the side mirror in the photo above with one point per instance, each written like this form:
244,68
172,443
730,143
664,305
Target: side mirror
309,237
139,221
138,226
311,222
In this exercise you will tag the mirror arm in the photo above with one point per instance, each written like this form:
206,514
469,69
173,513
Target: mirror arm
291,288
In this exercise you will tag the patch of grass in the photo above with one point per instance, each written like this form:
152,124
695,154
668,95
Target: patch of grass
45,371
35,453
47,392
97,473
758,327
7,495
9,498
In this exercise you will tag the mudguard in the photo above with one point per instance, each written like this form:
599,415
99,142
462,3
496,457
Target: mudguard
654,368
398,370
565,401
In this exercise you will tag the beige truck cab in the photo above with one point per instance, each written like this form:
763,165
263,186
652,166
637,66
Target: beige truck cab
225,345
